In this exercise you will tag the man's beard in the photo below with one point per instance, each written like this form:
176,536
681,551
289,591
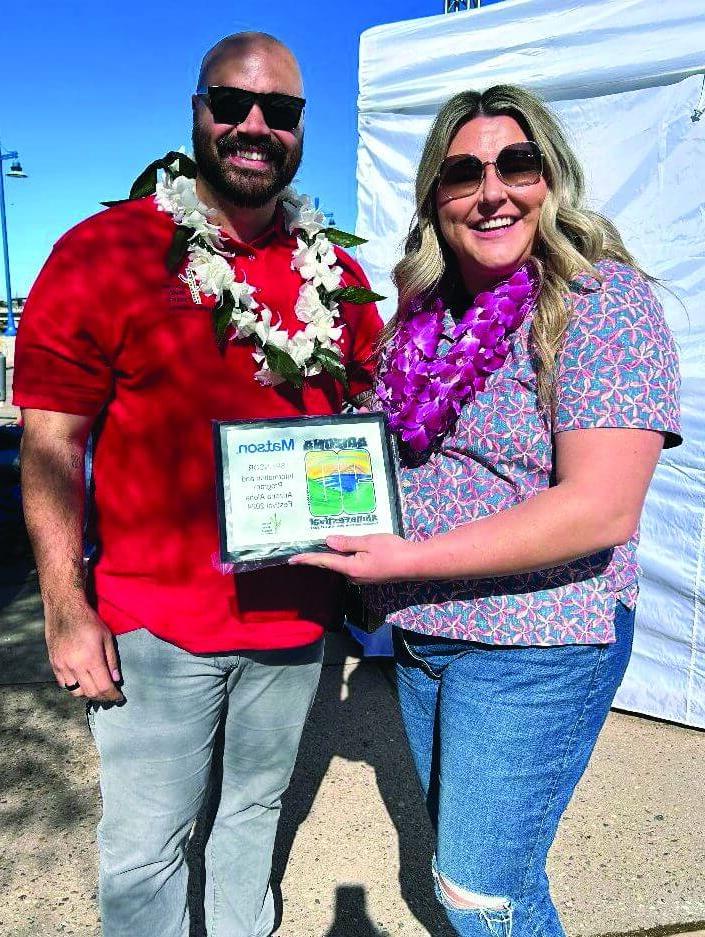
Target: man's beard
245,188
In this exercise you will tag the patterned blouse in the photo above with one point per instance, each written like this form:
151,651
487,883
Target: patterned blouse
618,368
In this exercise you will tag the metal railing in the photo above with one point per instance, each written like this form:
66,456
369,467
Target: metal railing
455,6
16,314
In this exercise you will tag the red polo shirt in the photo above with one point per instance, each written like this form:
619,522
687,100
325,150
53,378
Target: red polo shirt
107,332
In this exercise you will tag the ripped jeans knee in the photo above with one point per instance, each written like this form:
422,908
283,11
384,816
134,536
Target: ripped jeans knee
472,912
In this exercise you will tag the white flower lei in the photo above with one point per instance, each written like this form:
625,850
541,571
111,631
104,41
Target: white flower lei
310,349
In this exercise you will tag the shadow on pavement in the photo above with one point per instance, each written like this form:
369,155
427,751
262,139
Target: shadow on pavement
49,805
48,761
352,729
23,656
351,914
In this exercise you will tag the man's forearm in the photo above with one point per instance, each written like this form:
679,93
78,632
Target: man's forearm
81,647
53,489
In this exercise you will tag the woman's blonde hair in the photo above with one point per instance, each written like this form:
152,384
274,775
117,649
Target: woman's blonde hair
571,238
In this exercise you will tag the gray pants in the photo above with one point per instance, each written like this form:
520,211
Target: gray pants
155,753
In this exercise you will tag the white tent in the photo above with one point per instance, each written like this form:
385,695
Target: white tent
626,77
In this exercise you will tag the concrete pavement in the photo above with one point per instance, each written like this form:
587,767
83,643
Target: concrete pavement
354,845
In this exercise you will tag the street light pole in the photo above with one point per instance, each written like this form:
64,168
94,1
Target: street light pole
10,328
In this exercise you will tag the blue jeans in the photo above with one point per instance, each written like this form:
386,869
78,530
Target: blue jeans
500,737
155,753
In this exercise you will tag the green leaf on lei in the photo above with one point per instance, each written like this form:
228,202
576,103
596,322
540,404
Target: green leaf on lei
342,238
331,363
222,316
178,248
355,294
283,364
146,182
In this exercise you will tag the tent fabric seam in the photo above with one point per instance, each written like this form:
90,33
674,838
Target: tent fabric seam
697,617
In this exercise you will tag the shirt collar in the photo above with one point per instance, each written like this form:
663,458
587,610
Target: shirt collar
276,230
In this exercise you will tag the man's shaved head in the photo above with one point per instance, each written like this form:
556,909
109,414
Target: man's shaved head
249,162
241,45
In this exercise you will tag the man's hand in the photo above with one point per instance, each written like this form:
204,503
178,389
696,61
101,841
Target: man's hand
368,559
82,651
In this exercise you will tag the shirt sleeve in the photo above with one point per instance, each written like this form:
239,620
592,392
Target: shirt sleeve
618,366
365,326
64,342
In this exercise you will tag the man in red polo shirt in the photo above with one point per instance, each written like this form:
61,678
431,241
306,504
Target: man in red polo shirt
113,344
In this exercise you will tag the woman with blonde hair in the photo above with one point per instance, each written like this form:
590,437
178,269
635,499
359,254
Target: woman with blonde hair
532,382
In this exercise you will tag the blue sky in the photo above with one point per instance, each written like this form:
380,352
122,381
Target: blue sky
92,92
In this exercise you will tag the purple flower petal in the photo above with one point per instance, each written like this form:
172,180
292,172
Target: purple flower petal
425,331
418,439
424,394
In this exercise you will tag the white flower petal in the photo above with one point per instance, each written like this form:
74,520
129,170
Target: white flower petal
316,263
279,338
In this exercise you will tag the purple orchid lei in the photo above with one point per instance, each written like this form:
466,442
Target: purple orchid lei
423,394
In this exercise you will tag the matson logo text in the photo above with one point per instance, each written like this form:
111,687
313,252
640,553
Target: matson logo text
281,445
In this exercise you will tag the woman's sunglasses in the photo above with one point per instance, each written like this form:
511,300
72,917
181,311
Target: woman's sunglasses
516,165
232,105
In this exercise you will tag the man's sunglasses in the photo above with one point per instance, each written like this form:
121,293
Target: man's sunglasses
232,105
516,165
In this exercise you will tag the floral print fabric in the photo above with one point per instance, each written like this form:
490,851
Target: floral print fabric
618,368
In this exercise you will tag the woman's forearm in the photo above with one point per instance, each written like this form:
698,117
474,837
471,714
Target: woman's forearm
553,527
602,479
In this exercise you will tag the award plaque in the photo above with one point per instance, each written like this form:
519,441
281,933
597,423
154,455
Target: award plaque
284,485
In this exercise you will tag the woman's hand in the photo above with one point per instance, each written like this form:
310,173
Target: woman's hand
368,559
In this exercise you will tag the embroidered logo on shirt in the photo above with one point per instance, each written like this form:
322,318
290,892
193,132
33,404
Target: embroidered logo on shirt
182,294
190,280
